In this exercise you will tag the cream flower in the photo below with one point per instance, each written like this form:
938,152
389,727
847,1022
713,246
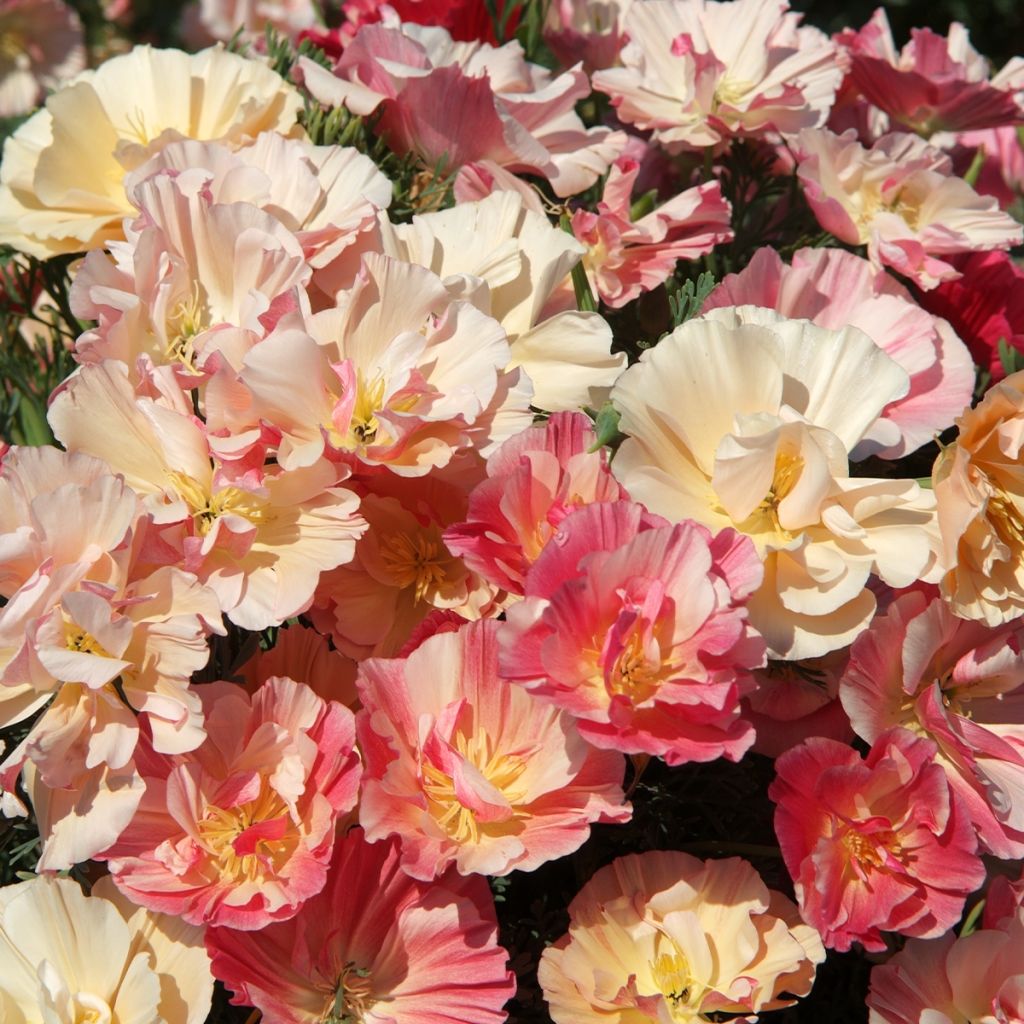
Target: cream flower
68,958
745,419
61,180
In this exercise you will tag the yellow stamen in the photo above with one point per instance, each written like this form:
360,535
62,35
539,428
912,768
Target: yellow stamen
415,561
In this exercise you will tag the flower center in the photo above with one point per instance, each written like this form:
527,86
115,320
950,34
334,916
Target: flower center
353,996
1006,519
871,851
671,973
206,508
77,639
369,399
186,320
252,839
634,675
416,561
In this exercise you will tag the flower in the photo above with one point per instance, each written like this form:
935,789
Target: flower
470,771
41,47
240,832
65,956
53,200
980,500
638,630
587,31
374,947
901,200
875,844
534,480
932,84
662,936
985,306
455,104
223,18
699,72
834,288
744,419
973,978
960,684
626,257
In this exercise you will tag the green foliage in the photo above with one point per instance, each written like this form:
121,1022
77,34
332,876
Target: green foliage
686,300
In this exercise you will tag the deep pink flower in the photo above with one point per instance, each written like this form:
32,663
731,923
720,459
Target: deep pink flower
961,683
375,946
626,257
471,771
835,289
985,306
637,628
240,832
934,83
873,845
534,480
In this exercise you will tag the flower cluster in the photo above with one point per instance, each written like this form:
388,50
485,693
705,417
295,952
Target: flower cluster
447,452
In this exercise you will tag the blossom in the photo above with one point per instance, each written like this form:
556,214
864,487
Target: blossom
959,683
663,936
626,257
470,771
61,179
534,480
981,508
744,419
1001,156
375,946
637,628
932,84
834,289
223,18
397,375
455,104
523,263
587,31
240,831
403,569
977,977
65,956
699,72
43,47
985,306
260,539
901,200
875,844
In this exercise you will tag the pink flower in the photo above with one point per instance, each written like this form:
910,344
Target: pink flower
932,84
626,257
985,305
43,48
587,31
471,771
959,683
881,844
459,104
638,630
833,288
662,936
977,977
697,73
223,18
240,832
900,199
1001,173
374,946
534,480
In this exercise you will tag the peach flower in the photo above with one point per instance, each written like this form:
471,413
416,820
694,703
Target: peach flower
374,947
900,199
62,175
638,630
973,979
65,956
662,936
453,103
960,683
700,72
625,257
875,844
980,499
240,832
834,288
534,480
514,264
745,419
43,46
470,771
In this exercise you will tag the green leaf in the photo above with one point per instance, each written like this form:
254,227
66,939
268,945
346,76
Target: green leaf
606,427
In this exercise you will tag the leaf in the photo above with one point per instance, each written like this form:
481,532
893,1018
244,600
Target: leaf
606,427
